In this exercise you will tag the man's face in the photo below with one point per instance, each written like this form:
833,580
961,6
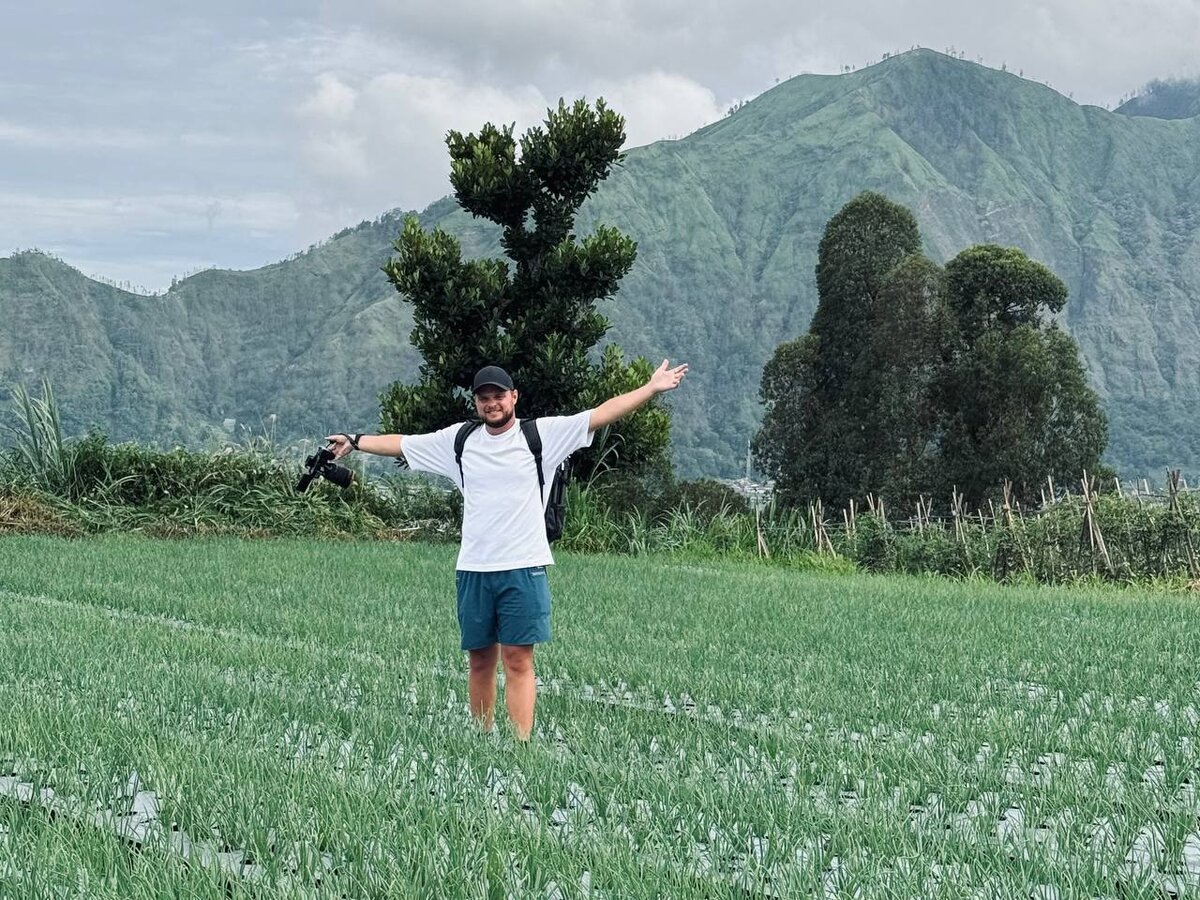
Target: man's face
495,405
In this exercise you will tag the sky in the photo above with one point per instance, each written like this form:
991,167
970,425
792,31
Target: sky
145,141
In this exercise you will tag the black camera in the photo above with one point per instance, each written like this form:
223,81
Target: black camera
321,465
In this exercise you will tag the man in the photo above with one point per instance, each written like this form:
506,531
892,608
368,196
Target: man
503,598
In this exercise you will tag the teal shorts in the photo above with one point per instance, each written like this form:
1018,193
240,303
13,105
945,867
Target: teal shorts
510,607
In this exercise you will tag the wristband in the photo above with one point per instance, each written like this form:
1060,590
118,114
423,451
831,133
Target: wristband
354,440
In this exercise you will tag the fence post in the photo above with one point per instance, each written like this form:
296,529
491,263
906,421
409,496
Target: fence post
1011,523
820,535
763,552
956,512
1173,479
1091,528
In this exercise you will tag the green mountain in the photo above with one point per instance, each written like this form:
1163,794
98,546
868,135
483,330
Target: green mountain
1172,99
727,222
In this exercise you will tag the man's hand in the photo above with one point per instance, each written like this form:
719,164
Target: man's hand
341,445
378,444
665,379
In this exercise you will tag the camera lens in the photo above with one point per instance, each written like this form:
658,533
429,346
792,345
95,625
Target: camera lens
339,475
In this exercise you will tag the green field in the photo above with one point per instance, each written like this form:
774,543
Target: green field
288,718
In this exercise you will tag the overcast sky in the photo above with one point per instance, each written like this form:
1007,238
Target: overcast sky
139,141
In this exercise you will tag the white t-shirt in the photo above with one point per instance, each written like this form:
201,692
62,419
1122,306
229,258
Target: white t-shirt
504,525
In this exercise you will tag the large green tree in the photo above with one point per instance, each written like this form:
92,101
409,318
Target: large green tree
534,313
784,447
1015,400
914,380
815,440
898,377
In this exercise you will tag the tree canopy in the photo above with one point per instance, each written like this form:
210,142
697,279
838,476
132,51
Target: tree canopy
533,314
915,380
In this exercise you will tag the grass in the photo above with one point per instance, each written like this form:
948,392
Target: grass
705,728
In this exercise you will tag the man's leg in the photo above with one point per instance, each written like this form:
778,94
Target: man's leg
520,687
481,684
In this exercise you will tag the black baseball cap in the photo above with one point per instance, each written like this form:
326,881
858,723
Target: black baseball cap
492,375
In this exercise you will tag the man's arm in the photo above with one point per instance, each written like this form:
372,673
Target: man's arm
663,379
378,444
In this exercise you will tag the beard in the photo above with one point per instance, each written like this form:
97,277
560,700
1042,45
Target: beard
504,420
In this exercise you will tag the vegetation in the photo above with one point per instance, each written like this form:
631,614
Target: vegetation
728,223
1171,98
77,486
49,485
818,434
916,382
538,322
737,731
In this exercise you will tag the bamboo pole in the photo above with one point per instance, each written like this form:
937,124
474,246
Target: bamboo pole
956,512
763,551
1091,528
1173,479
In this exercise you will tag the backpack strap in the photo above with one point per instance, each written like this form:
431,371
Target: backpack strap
460,441
534,440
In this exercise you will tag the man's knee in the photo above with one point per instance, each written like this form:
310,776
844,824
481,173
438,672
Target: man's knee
518,658
483,660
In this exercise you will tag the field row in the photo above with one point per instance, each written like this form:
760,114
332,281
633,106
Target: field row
318,740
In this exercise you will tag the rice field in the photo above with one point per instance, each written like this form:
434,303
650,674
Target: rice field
217,718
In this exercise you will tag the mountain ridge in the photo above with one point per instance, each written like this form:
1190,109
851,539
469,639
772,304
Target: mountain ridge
728,221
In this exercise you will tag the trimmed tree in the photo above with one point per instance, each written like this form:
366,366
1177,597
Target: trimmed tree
533,314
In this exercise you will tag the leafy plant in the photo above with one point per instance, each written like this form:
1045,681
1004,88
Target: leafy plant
533,314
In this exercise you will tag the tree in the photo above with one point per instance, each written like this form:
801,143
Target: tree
1015,399
534,314
915,380
991,287
784,447
862,243
816,436
912,338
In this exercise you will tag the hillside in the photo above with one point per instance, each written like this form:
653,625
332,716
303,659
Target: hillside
1172,99
727,222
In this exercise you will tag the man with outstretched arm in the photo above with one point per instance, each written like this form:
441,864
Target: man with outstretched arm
503,598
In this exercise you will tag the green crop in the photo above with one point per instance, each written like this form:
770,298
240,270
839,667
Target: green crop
287,718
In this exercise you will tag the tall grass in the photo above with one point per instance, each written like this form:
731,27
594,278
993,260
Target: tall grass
1143,542
38,447
48,483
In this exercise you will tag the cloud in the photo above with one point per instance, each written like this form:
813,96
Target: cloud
543,41
1093,48
55,137
657,105
331,102
71,215
146,239
382,143
280,128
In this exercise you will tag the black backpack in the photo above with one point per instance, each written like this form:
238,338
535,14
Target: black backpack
556,509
